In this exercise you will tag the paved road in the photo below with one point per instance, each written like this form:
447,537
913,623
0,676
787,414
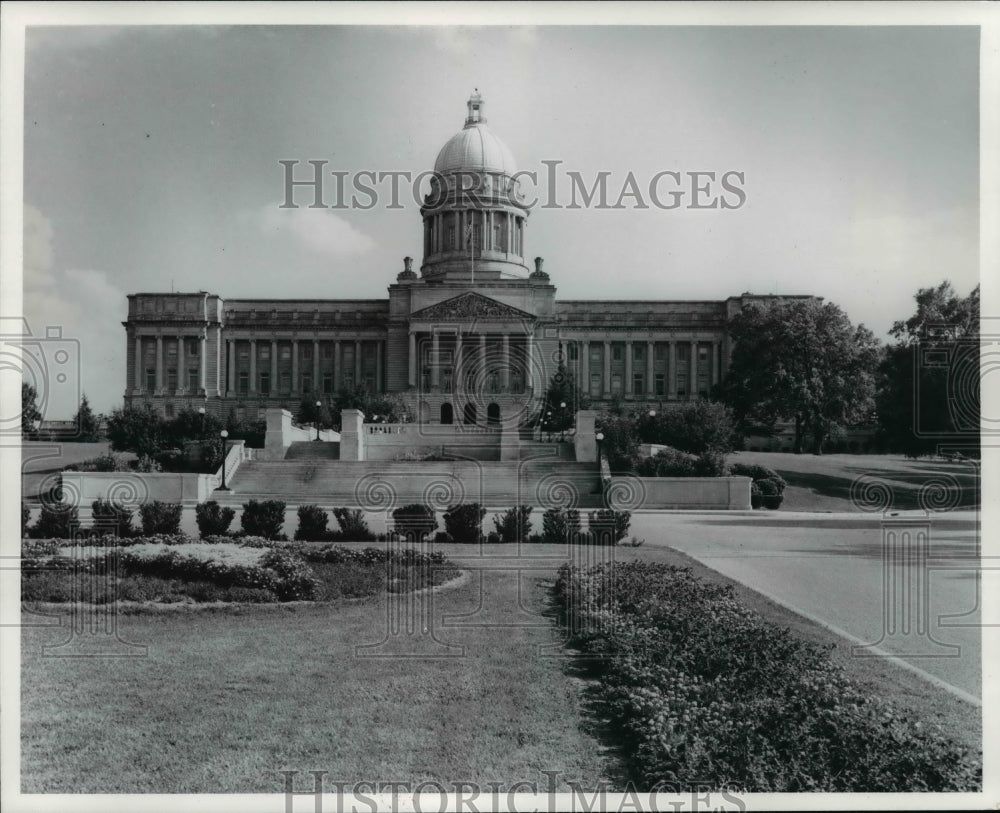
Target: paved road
831,567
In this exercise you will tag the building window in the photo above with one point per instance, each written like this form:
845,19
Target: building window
168,410
171,378
617,352
171,349
244,352
286,383
265,352
572,352
660,351
192,347
638,352
193,379
682,385
327,350
348,381
265,384
286,352
150,378
638,384
660,383
616,384
595,385
595,354
244,383
307,352
327,384
703,386
307,382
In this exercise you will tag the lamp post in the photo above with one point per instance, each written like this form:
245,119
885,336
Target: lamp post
599,437
562,421
319,406
201,411
36,424
223,434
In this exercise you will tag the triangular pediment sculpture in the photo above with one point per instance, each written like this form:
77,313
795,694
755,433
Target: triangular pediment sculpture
470,306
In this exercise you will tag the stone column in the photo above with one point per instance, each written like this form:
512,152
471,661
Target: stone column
137,367
412,370
357,362
482,356
529,355
159,363
253,367
181,372
693,372
628,370
274,366
338,367
584,367
378,366
457,373
203,362
607,369
231,372
295,366
435,359
650,375
317,387
505,364
715,362
672,372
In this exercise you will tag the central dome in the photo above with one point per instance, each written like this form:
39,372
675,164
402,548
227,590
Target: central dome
475,147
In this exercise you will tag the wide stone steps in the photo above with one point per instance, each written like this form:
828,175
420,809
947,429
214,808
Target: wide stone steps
313,450
381,485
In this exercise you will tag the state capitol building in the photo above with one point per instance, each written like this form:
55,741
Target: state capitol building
475,334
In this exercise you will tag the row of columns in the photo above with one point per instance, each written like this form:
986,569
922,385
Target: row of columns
338,371
714,367
436,357
182,382
437,230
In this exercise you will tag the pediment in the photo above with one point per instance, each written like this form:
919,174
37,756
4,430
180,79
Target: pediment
471,306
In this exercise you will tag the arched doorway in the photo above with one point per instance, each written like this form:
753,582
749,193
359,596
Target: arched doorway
493,415
447,414
469,414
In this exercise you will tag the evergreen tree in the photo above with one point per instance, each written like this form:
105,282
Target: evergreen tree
88,425
29,411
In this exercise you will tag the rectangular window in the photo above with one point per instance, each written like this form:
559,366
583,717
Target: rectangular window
307,382
703,353
595,354
572,353
682,385
661,384
171,378
193,347
194,382
265,384
660,351
286,383
171,349
617,352
285,351
150,378
638,352
265,352
638,384
327,384
244,352
616,384
595,385
348,381
307,352
244,383
327,350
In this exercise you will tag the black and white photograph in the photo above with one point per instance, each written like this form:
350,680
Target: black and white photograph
489,407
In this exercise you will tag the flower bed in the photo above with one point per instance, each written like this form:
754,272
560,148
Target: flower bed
705,692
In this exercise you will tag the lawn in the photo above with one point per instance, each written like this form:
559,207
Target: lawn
823,482
228,697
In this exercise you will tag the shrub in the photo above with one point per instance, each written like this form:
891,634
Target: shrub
756,473
415,519
147,465
312,524
684,681
605,520
756,497
25,519
668,462
296,582
443,538
559,524
465,522
353,525
160,517
112,517
493,538
263,518
58,521
770,492
621,442
212,518
514,524
710,464
112,461
696,427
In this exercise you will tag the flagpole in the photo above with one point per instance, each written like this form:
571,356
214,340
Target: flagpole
472,254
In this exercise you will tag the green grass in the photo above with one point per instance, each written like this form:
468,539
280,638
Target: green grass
823,482
229,697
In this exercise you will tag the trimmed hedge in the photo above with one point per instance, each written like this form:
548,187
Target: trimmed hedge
415,518
514,525
559,524
464,523
704,692
160,517
212,518
312,524
263,518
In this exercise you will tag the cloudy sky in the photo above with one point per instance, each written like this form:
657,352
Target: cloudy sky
151,161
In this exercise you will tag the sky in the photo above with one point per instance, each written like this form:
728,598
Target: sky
151,162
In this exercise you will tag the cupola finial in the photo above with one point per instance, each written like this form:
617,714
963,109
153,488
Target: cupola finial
477,109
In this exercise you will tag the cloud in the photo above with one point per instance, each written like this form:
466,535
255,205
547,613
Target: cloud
317,230
87,308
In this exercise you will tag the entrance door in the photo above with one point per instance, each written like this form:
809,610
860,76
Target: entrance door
447,414
493,415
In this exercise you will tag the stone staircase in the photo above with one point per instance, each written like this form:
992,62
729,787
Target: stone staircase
382,485
313,450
